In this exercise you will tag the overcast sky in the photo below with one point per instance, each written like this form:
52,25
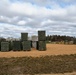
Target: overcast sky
57,17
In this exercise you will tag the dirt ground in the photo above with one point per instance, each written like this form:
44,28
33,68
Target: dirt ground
74,73
52,49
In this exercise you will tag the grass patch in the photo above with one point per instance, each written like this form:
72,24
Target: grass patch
38,65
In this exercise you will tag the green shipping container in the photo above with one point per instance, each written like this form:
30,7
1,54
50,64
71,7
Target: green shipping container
42,45
16,45
24,36
4,46
41,36
26,45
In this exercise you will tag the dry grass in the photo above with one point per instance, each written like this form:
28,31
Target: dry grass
74,73
52,49
59,64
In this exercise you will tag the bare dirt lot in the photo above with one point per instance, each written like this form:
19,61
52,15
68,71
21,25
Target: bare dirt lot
52,49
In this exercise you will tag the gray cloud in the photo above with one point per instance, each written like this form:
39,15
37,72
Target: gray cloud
33,15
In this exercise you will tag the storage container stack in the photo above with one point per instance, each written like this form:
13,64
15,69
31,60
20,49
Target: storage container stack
26,44
41,41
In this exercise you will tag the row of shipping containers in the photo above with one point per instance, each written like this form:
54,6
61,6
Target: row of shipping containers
24,44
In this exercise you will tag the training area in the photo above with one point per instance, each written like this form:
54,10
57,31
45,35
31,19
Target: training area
37,56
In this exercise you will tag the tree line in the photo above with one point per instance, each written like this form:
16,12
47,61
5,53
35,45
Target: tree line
59,38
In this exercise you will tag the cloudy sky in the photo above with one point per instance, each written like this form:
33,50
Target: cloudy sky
57,17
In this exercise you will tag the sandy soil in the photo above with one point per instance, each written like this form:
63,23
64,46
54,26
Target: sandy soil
52,49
